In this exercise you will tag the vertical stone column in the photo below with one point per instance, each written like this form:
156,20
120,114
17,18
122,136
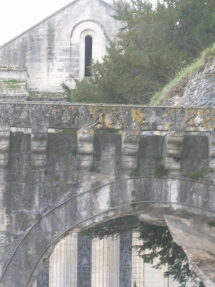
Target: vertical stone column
172,163
39,149
85,148
173,150
63,263
4,155
130,146
105,262
212,157
137,263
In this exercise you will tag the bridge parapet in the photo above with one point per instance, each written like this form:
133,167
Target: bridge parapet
126,118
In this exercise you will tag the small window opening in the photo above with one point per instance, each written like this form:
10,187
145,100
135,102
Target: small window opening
88,54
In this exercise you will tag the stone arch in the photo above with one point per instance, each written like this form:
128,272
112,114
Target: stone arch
77,44
144,195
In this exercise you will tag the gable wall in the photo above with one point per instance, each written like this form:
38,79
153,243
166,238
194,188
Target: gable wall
49,51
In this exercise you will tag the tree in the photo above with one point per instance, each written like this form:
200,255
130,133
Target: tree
152,46
158,242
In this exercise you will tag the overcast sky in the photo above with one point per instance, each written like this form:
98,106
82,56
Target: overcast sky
17,16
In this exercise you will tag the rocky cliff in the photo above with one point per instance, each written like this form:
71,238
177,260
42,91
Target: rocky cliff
199,90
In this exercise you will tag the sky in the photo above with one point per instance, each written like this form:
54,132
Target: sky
16,16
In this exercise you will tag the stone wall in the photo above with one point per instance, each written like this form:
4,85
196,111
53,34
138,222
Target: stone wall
13,84
64,166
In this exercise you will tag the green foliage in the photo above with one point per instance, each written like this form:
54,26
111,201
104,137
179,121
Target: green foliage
183,76
157,244
133,193
134,173
157,157
12,84
56,177
45,95
94,169
133,201
98,156
198,174
73,150
11,81
117,226
151,48
211,224
160,171
67,91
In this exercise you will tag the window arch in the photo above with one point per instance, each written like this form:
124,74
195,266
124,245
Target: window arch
99,42
88,54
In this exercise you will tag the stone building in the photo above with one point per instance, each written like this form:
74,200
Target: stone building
61,46
111,262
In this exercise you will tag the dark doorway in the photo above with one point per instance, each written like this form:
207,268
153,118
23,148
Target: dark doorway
88,55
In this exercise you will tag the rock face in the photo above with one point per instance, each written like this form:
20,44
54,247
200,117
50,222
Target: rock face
197,238
199,91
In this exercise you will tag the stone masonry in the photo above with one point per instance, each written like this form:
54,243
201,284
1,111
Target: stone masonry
66,166
52,52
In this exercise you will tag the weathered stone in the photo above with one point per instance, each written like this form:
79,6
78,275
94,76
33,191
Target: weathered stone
199,91
60,173
197,238
53,51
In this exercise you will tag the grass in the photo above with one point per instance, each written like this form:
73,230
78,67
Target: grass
133,193
134,173
198,174
178,84
73,150
56,178
12,84
45,95
133,201
94,169
160,171
157,157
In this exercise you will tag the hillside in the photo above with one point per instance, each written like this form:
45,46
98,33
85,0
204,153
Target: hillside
193,86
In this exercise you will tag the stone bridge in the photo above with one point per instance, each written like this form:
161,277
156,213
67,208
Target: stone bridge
64,166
